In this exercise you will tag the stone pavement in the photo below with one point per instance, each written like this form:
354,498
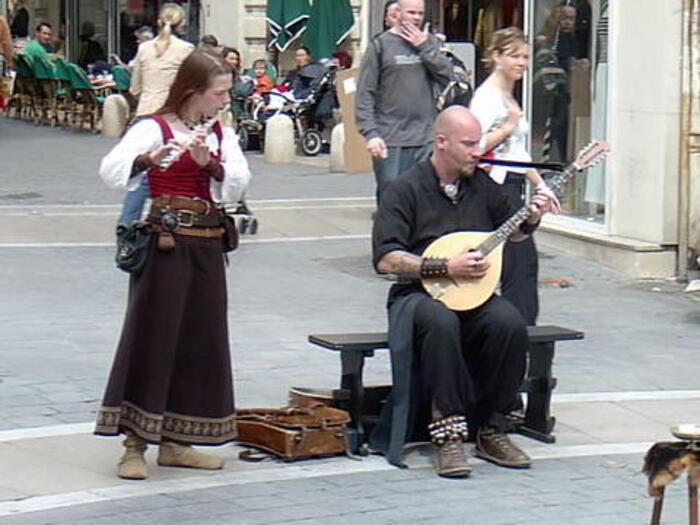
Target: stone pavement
307,271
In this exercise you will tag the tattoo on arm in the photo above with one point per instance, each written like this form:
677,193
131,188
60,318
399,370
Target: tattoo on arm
401,263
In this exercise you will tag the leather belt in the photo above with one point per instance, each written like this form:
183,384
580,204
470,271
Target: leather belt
177,202
207,233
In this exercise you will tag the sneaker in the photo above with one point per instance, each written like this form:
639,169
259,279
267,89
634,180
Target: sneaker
451,461
496,447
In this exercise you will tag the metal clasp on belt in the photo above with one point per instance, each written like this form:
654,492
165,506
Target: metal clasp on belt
171,220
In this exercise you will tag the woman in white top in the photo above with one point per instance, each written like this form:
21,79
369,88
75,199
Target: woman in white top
504,136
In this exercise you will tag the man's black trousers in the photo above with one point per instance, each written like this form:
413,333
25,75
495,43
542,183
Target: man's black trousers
471,363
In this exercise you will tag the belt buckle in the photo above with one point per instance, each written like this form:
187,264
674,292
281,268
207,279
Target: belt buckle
186,218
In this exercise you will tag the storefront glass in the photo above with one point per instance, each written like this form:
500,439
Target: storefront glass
568,85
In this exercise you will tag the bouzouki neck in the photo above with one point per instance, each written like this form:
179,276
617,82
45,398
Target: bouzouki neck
507,228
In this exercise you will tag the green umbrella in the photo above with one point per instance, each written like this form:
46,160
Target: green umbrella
287,19
331,22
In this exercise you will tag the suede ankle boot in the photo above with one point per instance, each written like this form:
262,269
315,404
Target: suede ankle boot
132,465
451,462
175,455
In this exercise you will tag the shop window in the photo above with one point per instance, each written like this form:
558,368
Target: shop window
569,93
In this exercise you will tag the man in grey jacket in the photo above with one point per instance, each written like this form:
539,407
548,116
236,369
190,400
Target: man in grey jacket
395,107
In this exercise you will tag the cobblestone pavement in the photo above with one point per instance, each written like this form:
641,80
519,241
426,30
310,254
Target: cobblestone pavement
307,271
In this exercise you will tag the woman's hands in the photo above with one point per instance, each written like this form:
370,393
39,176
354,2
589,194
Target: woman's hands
199,148
157,156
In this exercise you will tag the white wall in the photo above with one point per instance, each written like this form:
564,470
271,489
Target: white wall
645,65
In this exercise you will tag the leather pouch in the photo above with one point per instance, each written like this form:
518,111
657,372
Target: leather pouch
133,246
229,240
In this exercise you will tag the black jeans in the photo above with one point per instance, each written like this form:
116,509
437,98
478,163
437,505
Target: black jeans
471,363
520,264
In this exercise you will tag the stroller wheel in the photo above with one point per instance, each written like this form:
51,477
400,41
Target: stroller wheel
243,224
253,229
311,142
243,138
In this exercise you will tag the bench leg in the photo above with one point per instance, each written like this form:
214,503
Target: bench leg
352,364
538,423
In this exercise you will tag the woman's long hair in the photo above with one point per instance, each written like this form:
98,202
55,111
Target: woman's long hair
170,18
194,76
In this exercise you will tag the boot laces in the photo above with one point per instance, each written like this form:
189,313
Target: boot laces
452,450
502,441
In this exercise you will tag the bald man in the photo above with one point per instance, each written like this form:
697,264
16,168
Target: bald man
450,369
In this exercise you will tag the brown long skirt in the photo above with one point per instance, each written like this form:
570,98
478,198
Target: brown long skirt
171,378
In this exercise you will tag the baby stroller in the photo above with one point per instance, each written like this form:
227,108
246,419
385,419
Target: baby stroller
308,113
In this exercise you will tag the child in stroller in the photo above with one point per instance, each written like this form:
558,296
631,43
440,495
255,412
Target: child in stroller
308,108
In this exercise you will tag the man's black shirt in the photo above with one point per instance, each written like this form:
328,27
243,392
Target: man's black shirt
415,211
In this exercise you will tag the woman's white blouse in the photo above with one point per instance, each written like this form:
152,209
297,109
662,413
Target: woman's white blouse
146,136
489,107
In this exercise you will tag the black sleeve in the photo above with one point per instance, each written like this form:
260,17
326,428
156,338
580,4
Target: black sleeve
394,222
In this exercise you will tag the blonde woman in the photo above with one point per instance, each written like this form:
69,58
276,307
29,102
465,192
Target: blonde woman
158,60
504,136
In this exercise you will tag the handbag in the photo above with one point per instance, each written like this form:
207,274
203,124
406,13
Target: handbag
133,246
292,433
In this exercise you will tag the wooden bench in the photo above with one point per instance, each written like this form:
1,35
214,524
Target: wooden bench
354,348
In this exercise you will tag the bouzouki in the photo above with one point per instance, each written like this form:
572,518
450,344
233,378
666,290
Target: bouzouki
467,294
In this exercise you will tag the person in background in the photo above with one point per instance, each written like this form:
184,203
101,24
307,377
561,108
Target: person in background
209,44
342,59
171,383
155,66
243,85
6,46
20,20
90,49
263,83
158,60
505,132
141,35
302,58
391,14
41,45
395,105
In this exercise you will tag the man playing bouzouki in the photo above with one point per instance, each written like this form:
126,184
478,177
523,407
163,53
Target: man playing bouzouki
451,369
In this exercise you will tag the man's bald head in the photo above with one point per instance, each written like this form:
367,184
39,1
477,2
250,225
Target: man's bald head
412,12
454,118
456,149
404,4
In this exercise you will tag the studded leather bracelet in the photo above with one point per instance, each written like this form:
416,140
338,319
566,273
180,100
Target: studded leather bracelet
433,267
